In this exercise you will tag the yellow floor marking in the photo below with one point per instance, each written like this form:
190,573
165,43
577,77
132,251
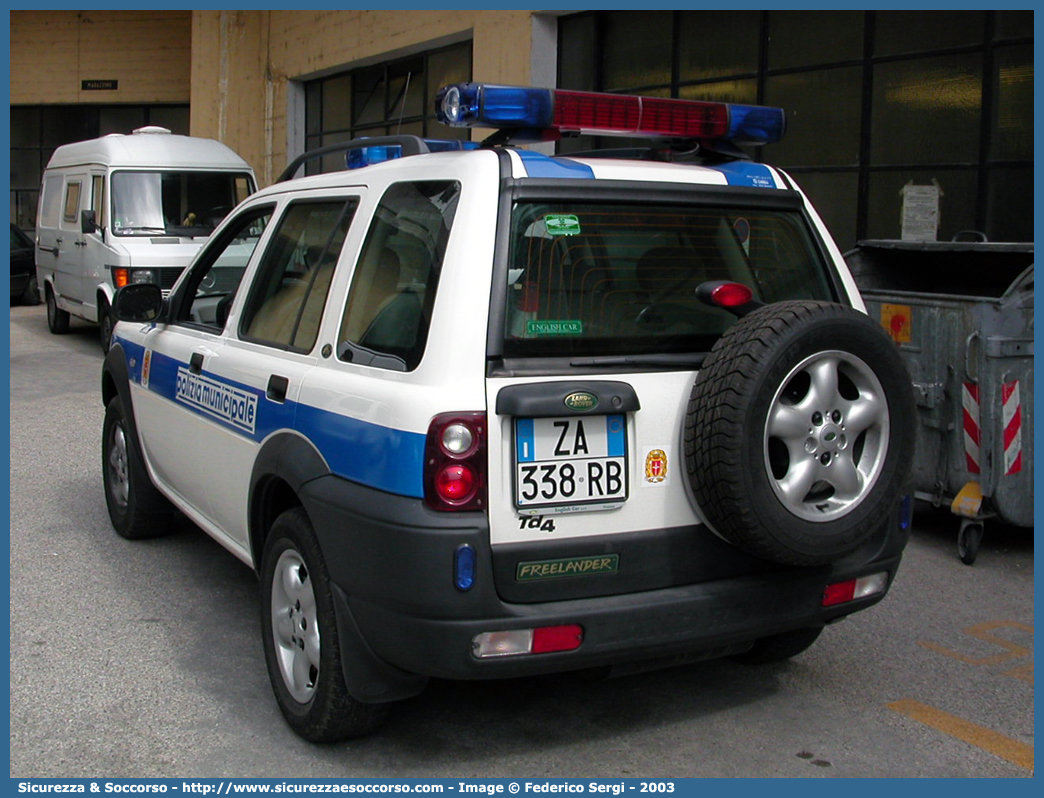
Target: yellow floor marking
988,740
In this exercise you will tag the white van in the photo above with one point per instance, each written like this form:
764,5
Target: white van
126,209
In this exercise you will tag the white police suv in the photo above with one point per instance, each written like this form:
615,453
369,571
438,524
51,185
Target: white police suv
475,412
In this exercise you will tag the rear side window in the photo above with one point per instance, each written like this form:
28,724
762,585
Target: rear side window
388,311
51,201
286,302
619,279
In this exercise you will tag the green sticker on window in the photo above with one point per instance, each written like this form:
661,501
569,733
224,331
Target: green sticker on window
562,224
575,327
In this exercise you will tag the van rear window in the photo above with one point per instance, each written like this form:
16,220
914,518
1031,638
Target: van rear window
618,279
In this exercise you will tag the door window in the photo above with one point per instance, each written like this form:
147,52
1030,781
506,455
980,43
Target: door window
214,280
286,302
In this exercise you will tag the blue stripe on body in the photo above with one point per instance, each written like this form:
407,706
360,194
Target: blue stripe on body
370,454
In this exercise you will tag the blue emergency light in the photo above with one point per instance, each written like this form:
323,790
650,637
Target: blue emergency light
560,111
359,157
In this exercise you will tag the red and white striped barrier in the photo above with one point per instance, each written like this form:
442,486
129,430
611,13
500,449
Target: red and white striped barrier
972,430
1011,418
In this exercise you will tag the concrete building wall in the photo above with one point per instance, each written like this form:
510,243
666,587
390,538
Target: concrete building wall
147,52
245,64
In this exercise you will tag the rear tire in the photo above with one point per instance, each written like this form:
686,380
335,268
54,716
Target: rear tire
300,638
31,294
128,488
57,319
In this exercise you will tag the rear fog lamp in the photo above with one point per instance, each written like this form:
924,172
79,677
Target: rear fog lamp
545,640
863,587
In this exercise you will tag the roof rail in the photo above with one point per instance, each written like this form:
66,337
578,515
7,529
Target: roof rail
411,145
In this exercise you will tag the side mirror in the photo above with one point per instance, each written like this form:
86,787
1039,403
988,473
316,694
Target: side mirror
88,222
140,302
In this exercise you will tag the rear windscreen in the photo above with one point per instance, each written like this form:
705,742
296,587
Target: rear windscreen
612,279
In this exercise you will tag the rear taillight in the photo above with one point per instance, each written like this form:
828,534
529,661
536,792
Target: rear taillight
864,587
455,462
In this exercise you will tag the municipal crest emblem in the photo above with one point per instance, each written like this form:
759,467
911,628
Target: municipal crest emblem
656,466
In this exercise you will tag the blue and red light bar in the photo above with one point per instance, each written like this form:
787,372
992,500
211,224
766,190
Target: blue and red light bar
519,107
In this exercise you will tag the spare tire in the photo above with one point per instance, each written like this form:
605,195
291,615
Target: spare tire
800,432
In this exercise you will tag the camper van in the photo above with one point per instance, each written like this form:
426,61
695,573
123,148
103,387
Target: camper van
125,209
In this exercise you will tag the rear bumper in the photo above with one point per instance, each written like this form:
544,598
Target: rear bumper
392,566
617,629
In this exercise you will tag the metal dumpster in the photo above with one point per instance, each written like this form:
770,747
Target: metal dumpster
962,316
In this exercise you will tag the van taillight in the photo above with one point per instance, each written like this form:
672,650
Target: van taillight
455,462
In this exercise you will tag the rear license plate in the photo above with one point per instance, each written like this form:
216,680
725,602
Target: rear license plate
570,464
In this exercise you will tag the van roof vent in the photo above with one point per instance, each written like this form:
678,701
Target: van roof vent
152,129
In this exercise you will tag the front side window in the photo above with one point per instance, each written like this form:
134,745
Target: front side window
389,305
174,203
286,303
215,277
618,279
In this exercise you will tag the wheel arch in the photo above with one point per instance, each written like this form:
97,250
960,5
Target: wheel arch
284,464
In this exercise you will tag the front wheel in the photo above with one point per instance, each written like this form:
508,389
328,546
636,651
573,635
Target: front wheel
299,634
128,489
105,324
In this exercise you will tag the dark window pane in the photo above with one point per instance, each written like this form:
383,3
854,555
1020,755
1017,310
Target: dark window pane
956,208
367,96
637,49
726,91
406,89
900,32
715,44
1009,205
804,38
1012,137
25,169
819,133
337,103
25,126
120,119
336,161
444,68
576,52
63,124
313,107
834,195
927,111
1012,24
174,118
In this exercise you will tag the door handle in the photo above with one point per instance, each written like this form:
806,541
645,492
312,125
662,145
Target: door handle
277,388
196,362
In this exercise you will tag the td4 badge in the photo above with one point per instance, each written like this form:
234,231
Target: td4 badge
541,522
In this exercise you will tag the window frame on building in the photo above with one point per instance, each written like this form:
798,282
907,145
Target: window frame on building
851,164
